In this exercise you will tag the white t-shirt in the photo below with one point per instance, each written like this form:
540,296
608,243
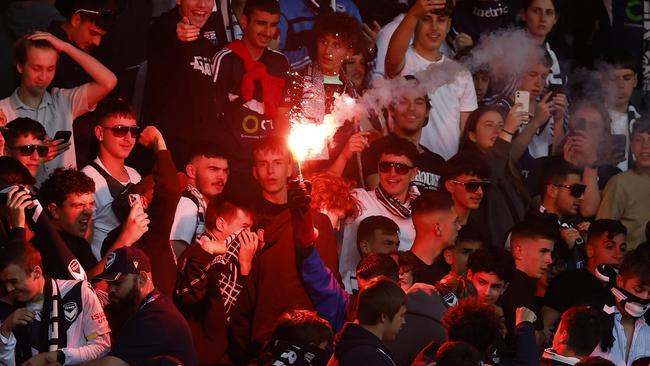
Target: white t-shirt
88,336
104,220
442,134
186,224
56,112
382,41
370,206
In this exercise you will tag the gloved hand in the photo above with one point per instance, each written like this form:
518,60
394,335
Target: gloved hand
298,196
298,200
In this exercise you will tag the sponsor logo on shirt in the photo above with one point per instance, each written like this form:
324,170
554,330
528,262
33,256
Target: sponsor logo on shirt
203,64
210,35
427,179
252,124
491,12
76,270
99,318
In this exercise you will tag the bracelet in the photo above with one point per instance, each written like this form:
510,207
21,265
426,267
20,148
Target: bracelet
508,132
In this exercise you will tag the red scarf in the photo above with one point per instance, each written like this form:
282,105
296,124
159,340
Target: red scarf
271,85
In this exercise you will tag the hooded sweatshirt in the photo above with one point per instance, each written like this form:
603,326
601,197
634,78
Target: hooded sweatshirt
425,309
356,346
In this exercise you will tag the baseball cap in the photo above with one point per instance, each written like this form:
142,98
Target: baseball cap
122,261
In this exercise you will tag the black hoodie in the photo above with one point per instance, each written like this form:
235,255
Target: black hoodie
357,346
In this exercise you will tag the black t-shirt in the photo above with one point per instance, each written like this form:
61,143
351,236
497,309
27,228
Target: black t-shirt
520,292
68,73
429,164
570,288
180,92
429,274
240,123
477,17
157,329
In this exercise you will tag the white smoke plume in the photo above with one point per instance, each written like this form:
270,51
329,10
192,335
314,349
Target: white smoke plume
506,53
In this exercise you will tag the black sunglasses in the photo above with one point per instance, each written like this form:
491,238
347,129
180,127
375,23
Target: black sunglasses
121,131
473,185
577,190
401,169
28,150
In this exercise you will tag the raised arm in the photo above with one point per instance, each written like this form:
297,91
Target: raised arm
401,38
521,142
103,79
356,144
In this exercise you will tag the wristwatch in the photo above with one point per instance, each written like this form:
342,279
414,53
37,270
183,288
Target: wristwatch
60,357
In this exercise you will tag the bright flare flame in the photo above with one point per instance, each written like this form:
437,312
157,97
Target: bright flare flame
308,139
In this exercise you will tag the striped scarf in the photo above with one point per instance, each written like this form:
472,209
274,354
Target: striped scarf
201,206
53,327
393,205
44,335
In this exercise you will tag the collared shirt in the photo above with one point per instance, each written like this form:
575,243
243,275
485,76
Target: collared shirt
57,110
640,340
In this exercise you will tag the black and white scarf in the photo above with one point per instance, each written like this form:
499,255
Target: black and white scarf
393,205
201,205
50,335
229,279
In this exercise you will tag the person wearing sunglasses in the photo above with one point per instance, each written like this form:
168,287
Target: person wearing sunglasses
466,178
409,113
25,141
488,134
562,196
116,131
392,198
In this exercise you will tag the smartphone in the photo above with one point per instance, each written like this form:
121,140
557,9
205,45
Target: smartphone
556,89
63,135
523,97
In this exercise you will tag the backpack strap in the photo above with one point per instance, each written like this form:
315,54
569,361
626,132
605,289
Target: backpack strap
114,186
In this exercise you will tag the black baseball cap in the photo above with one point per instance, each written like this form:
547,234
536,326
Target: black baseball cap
122,261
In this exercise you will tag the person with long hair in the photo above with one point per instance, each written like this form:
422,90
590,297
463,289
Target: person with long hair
488,133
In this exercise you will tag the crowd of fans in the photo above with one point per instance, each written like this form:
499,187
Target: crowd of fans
495,210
